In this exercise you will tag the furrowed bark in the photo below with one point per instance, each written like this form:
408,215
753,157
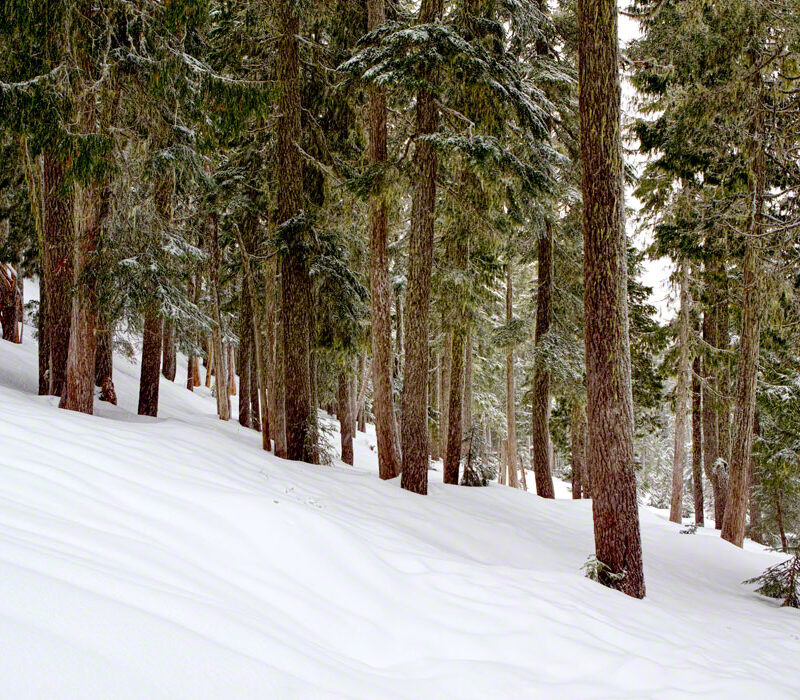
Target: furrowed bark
151,364
610,456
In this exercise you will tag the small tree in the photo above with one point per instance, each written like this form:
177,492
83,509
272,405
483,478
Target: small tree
781,581
479,470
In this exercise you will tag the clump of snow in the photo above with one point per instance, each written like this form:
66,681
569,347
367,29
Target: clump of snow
171,557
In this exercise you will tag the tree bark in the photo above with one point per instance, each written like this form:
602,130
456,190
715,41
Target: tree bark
697,443
756,533
220,364
610,455
296,277
468,369
577,448
444,391
420,261
435,399
681,400
57,256
275,378
386,430
169,358
710,424
452,459
245,358
735,516
151,364
511,408
344,411
540,404
78,393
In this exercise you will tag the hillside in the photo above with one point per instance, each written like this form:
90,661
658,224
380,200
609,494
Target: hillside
171,557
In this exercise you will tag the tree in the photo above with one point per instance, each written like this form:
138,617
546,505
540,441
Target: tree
608,363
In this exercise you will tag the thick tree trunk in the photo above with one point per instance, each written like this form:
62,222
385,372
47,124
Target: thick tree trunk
610,455
296,278
420,261
697,443
151,364
735,516
57,257
681,400
44,341
511,406
169,358
344,411
540,404
386,430
78,394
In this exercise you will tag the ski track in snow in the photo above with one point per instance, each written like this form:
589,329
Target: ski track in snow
171,557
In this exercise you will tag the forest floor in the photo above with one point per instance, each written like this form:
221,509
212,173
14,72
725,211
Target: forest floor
171,557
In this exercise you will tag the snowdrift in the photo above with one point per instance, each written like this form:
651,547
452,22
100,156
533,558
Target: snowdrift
171,557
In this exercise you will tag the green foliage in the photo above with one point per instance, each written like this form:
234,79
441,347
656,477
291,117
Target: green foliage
781,581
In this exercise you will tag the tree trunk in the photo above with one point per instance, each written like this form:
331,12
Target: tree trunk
452,459
540,404
78,394
344,411
420,261
468,369
193,366
231,355
386,430
697,443
296,278
246,380
220,364
710,424
436,403
610,455
734,521
169,359
576,433
57,255
779,518
275,378
444,391
511,410
681,400
398,333
756,533
44,339
151,364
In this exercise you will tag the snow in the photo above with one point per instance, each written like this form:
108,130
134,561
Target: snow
171,557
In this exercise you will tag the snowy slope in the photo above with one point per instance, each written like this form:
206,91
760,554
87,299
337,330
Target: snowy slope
171,557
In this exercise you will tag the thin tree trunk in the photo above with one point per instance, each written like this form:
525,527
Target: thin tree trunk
681,400
398,333
344,412
610,455
210,363
540,404
436,403
420,261
57,257
220,365
511,409
231,354
576,449
296,277
386,430
452,459
756,526
710,424
246,338
274,340
151,364
468,370
444,393
192,368
697,443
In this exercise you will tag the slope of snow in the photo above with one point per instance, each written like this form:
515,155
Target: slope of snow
171,557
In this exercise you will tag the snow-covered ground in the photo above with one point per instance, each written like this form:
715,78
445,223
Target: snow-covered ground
172,558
